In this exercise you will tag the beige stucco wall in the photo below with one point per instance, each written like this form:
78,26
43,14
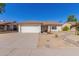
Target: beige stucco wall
58,28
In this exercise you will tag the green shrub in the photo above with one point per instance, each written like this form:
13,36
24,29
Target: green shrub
66,28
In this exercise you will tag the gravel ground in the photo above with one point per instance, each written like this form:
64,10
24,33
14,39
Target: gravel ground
51,41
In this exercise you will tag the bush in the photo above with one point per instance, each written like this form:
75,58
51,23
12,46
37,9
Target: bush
77,30
66,28
77,33
56,35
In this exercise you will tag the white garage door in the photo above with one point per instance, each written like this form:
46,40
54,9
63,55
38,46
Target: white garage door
31,29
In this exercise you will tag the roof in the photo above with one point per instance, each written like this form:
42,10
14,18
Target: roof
5,23
41,23
72,23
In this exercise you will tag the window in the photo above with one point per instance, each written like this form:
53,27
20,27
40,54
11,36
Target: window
2,27
54,27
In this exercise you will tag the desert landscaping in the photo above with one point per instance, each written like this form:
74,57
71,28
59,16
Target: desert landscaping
32,44
59,39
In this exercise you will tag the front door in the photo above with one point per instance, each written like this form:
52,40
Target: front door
44,28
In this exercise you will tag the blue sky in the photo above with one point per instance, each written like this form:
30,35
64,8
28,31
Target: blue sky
39,12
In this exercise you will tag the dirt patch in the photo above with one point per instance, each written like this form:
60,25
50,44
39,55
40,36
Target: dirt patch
53,40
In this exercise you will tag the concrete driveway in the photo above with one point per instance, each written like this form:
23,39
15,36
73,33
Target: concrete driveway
17,43
18,40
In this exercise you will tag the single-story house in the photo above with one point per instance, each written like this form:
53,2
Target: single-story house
71,26
39,27
8,26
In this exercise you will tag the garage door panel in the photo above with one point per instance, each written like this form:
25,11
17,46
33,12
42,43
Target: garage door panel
31,29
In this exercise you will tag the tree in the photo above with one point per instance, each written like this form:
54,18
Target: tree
2,7
66,28
75,20
72,18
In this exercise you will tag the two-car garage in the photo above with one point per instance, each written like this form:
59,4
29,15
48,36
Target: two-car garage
30,28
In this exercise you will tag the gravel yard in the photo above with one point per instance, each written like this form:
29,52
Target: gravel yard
51,41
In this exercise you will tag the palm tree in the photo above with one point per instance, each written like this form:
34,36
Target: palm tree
72,18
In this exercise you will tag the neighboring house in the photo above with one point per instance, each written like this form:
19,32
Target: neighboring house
8,26
39,27
71,26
